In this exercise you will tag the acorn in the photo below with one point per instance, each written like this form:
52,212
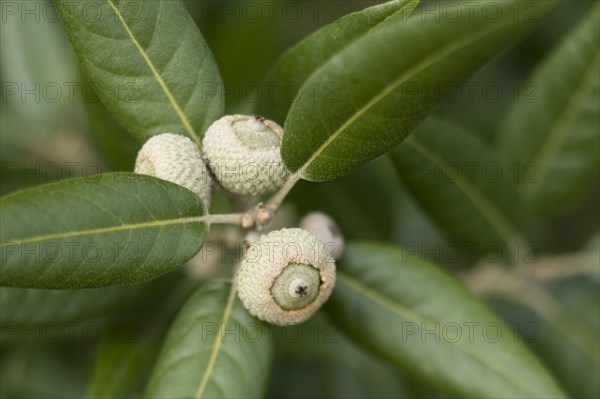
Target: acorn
177,159
325,228
285,276
243,153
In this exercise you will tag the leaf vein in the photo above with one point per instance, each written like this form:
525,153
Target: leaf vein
182,116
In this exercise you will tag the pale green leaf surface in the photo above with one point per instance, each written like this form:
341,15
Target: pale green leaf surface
566,341
554,141
419,318
462,183
37,64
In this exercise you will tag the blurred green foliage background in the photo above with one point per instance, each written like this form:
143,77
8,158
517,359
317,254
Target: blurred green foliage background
52,127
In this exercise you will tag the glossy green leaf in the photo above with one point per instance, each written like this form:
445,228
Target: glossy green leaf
463,185
419,318
567,342
553,139
302,60
388,81
97,231
148,62
214,349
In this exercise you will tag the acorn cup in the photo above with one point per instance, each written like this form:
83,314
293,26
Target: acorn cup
243,153
325,228
286,276
177,159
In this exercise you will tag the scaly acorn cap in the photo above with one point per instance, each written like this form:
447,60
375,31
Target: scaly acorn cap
177,159
243,153
285,277
325,228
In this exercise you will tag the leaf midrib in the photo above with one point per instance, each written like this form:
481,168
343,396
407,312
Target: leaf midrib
218,342
411,316
422,65
102,230
182,116
494,216
558,134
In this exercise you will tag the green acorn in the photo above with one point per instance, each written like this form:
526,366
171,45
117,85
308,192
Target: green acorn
243,153
177,159
325,228
286,276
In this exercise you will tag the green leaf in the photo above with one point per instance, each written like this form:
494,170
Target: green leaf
318,351
462,184
28,305
117,148
126,356
148,62
302,60
36,60
554,141
97,231
214,349
419,318
347,196
565,341
123,364
43,371
256,46
388,81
